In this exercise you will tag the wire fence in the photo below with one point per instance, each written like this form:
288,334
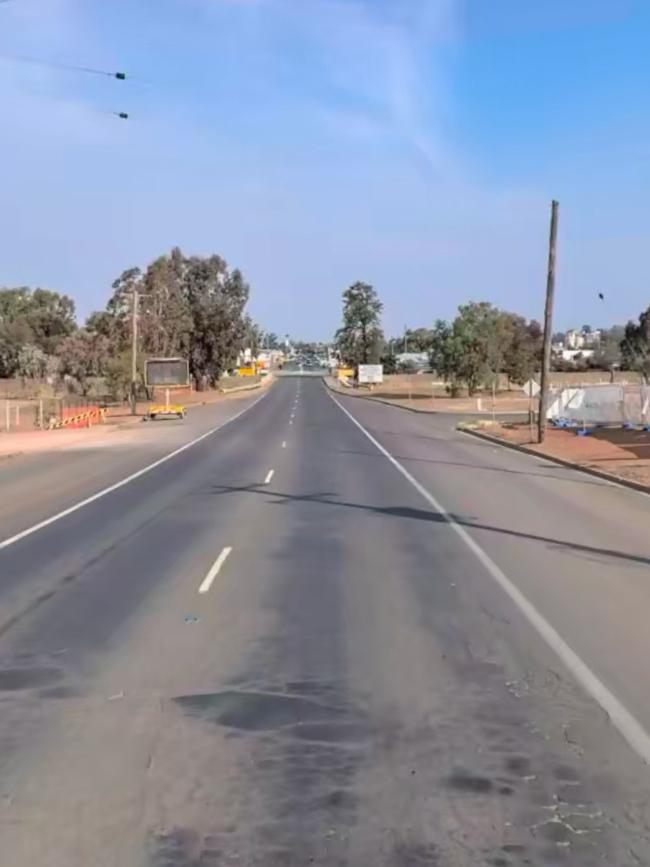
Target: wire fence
19,415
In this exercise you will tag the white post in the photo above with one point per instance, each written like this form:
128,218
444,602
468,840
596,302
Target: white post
17,415
7,415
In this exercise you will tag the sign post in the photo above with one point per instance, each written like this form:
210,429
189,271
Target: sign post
531,389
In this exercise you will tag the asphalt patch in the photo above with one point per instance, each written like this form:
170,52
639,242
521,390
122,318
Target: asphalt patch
255,711
13,679
463,781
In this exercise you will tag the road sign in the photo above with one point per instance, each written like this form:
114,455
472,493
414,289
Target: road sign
370,373
531,388
166,372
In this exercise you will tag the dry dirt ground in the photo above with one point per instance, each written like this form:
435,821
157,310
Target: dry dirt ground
118,419
423,393
623,453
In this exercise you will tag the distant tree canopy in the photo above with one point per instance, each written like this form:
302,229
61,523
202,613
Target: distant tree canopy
413,340
190,306
635,345
360,338
483,342
32,327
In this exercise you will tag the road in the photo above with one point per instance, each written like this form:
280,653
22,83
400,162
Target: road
293,644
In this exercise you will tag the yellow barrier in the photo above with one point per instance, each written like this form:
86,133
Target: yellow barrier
345,372
175,409
93,416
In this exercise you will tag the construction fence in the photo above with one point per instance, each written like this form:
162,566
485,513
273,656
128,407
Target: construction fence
601,405
47,413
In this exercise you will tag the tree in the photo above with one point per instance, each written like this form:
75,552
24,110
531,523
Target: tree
479,338
446,355
31,321
360,338
414,339
635,345
270,340
31,362
481,343
253,336
51,318
523,354
84,355
609,353
192,307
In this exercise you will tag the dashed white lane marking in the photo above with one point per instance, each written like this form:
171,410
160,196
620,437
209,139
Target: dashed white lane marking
269,476
214,570
284,444
627,724
57,517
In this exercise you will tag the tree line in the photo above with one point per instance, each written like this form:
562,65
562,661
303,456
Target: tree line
479,346
189,306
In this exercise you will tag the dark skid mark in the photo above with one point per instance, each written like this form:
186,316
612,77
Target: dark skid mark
339,733
12,679
415,855
254,711
464,781
519,765
59,692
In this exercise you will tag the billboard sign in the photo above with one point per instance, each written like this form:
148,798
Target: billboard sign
371,373
166,372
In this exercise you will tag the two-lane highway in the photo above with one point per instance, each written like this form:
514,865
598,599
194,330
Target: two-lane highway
275,649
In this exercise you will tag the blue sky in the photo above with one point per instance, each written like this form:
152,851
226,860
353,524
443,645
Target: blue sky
415,144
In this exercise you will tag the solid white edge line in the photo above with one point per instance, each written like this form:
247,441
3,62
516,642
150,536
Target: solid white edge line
88,500
214,570
269,476
626,723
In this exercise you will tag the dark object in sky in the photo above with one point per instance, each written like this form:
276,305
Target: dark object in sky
601,296
121,114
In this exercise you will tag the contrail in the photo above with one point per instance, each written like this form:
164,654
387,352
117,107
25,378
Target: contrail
121,76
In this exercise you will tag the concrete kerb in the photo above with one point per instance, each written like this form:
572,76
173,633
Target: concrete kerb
571,465
264,382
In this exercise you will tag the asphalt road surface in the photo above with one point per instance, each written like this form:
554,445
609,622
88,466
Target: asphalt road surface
292,644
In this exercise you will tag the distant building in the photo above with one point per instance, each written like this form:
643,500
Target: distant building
575,339
575,354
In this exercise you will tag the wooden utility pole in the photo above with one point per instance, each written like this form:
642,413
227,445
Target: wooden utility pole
548,325
134,351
